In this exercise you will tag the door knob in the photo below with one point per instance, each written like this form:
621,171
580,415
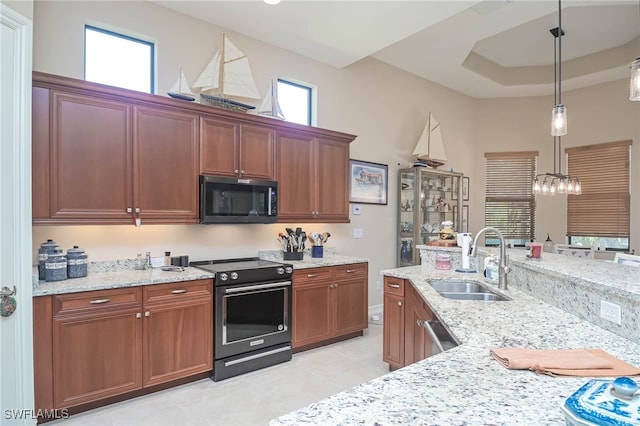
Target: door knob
7,301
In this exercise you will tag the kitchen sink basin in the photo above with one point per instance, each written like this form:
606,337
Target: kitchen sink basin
465,290
458,286
487,297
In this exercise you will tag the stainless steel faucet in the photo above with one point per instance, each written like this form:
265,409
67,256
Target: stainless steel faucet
503,267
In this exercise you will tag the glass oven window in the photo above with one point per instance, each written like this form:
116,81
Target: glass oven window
254,314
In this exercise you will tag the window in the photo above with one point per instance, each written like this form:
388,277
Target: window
599,217
295,102
510,204
118,60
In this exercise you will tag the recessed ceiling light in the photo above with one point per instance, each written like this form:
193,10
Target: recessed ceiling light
272,2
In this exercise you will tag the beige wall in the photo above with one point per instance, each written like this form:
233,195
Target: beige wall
384,106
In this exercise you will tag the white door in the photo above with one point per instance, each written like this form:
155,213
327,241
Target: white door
16,335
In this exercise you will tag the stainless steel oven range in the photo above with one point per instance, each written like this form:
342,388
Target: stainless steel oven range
252,314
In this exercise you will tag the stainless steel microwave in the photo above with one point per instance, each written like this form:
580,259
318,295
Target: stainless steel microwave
232,200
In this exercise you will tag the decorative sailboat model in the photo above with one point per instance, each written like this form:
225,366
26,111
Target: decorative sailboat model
430,148
227,74
270,106
181,90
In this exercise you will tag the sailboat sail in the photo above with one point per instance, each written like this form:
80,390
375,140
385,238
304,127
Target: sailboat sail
180,89
270,106
229,73
430,147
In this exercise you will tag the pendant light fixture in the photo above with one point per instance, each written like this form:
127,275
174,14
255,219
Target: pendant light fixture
634,86
559,112
556,183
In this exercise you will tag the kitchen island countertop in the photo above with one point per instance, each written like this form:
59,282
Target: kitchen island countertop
464,385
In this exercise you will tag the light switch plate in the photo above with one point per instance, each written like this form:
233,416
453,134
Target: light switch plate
357,209
357,233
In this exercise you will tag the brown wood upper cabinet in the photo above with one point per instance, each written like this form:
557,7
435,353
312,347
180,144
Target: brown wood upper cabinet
313,178
110,161
229,148
105,155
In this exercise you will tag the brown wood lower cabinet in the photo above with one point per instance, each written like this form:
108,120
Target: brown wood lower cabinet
177,332
99,344
405,340
329,303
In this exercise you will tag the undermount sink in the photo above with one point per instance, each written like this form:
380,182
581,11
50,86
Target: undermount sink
465,290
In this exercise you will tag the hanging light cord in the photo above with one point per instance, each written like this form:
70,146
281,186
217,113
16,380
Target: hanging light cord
560,51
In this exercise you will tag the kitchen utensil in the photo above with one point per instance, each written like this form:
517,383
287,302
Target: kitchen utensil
325,236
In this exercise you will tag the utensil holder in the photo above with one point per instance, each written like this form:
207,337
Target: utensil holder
292,255
317,251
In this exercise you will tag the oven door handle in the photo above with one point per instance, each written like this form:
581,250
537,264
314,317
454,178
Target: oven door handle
257,287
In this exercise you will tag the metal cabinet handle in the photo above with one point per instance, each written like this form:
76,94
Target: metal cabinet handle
236,171
138,315
399,303
147,314
100,301
137,209
312,275
351,271
394,285
179,291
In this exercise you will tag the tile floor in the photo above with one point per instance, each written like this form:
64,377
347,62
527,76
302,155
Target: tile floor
253,398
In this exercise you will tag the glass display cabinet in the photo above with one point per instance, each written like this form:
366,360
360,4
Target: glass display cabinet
427,197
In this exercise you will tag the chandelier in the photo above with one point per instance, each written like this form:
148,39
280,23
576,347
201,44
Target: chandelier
556,182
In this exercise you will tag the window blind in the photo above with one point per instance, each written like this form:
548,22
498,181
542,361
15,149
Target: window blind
602,210
510,204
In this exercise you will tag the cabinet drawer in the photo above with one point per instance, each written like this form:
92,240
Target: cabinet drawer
394,285
170,292
350,271
97,301
312,275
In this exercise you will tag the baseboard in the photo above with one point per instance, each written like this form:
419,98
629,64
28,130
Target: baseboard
375,311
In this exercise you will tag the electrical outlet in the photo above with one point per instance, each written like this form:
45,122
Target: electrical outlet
610,312
357,233
379,285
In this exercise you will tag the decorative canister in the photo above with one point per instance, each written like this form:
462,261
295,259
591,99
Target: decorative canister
45,249
443,261
76,263
55,266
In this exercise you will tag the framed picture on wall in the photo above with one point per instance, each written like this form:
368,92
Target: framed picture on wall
465,218
368,182
465,189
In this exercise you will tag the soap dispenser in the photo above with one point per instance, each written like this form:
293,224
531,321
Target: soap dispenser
547,246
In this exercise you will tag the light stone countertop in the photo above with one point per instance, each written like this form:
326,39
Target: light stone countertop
120,273
464,385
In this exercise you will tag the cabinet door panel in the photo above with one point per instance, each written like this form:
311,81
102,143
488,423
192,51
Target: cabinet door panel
295,171
333,180
41,204
219,147
91,157
257,152
351,307
177,341
311,310
166,157
96,356
393,334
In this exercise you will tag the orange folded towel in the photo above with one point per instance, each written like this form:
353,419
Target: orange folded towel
566,362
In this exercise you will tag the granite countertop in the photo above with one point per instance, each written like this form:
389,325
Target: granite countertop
464,385
121,273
